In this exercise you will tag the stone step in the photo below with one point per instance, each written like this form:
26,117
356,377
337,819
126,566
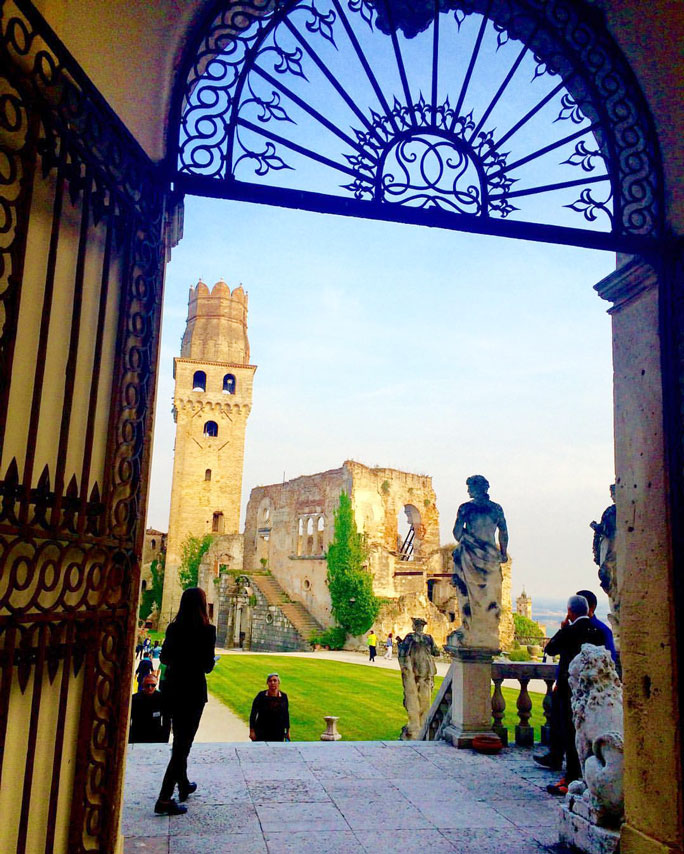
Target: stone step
304,623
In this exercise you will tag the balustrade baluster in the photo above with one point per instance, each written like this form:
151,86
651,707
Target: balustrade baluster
524,733
548,700
498,709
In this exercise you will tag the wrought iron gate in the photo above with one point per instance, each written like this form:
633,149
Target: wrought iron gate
82,226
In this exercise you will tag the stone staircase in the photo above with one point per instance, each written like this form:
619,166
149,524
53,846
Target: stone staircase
296,613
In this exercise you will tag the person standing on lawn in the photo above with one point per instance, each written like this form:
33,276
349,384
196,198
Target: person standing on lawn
188,653
372,645
270,716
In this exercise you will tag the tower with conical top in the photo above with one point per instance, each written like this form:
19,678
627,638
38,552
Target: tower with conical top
212,401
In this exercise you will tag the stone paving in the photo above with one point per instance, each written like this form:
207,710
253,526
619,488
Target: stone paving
344,798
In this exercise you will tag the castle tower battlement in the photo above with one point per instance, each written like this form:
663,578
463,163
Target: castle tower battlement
216,328
211,404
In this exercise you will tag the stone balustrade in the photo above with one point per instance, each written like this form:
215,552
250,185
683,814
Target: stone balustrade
523,672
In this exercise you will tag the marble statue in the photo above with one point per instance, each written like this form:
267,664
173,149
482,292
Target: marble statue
606,559
477,567
416,661
597,714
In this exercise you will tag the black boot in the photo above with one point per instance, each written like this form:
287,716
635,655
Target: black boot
548,760
170,807
185,789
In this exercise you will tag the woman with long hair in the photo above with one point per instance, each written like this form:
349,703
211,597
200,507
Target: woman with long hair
188,653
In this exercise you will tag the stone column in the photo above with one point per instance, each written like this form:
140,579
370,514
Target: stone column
236,625
471,687
641,326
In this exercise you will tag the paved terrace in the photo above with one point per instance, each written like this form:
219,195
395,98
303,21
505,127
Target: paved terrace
344,798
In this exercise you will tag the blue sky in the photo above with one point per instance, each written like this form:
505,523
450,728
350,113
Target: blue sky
432,351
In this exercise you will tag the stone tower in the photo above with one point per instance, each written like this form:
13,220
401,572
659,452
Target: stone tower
523,605
211,404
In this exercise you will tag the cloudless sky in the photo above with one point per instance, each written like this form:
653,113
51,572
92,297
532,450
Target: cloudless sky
421,349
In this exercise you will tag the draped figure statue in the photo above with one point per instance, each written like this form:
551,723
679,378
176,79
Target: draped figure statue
477,567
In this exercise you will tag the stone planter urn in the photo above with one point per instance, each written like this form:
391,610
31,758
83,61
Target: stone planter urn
331,733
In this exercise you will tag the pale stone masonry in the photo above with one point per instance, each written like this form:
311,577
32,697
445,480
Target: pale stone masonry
211,405
288,527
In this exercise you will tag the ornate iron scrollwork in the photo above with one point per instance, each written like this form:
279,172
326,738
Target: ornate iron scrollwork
497,109
71,526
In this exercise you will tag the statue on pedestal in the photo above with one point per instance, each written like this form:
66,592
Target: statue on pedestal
594,806
477,567
416,661
605,557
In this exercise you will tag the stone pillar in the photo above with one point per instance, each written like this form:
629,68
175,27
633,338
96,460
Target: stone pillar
471,688
331,733
644,558
236,625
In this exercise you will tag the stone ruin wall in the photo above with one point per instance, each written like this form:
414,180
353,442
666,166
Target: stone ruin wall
272,533
379,496
266,628
225,553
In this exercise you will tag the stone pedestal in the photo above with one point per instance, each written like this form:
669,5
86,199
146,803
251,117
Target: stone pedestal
331,733
471,686
577,831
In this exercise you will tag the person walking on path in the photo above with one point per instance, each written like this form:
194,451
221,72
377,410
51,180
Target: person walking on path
143,669
156,654
188,653
372,645
388,647
270,716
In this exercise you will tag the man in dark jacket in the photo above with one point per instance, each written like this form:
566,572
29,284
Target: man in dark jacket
575,630
148,721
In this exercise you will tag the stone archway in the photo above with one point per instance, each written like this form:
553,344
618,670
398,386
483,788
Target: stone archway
58,648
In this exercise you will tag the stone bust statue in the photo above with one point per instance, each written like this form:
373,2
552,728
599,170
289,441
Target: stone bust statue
477,567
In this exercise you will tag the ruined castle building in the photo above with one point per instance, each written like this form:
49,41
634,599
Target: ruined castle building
211,404
288,528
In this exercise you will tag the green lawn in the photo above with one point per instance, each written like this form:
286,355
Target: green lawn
367,701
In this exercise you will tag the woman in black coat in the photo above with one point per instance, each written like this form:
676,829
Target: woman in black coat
270,717
188,653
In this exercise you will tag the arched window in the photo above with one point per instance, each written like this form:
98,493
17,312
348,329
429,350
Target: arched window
144,586
211,428
207,474
320,528
229,384
300,536
154,544
309,536
199,381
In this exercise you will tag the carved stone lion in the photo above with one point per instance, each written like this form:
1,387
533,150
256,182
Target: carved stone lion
597,714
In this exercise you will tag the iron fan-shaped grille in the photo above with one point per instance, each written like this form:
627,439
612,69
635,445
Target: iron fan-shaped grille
490,115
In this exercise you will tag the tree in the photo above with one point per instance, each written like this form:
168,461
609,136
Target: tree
354,605
193,550
526,628
153,595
